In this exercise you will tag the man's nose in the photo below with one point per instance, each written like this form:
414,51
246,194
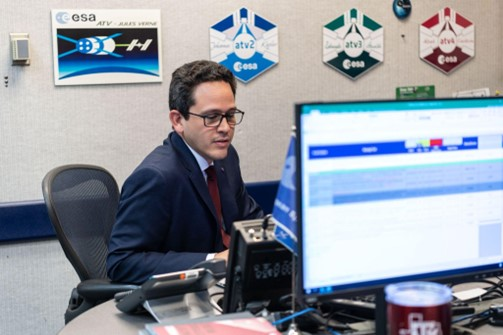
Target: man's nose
224,125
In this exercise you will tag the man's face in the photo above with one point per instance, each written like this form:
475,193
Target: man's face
210,142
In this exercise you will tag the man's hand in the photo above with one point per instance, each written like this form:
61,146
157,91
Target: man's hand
223,255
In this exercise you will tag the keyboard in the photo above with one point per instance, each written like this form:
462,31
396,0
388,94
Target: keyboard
359,306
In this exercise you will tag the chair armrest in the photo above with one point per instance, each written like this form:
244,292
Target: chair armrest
101,289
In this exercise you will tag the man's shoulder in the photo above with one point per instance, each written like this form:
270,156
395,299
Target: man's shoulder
166,152
232,156
162,159
167,159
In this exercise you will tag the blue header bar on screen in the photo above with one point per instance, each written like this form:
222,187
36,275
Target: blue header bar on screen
387,148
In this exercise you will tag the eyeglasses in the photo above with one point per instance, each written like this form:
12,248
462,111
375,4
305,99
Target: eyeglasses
233,117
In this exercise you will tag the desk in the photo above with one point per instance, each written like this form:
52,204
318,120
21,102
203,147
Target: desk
106,319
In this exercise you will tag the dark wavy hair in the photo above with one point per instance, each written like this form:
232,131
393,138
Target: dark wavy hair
186,78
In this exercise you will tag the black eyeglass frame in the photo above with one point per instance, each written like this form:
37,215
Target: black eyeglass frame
226,115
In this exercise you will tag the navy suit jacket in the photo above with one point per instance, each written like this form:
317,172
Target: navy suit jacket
166,219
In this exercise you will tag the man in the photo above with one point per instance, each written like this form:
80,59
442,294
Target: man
167,220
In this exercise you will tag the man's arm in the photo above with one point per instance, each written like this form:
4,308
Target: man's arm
145,237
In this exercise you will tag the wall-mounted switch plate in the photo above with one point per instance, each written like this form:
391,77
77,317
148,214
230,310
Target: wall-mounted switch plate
20,48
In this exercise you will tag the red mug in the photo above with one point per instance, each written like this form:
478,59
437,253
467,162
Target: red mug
418,308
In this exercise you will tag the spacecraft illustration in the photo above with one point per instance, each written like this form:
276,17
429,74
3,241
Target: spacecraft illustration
96,45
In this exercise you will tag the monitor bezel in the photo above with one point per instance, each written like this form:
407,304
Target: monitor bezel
452,276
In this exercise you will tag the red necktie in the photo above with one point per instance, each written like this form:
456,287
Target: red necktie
215,196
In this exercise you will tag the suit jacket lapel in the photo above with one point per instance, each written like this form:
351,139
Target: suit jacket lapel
193,171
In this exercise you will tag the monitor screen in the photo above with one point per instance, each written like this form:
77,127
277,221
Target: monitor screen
391,191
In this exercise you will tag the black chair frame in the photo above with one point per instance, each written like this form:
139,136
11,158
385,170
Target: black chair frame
82,201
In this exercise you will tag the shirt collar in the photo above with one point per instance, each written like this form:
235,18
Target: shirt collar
203,164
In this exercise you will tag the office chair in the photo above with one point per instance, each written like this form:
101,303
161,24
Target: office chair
82,202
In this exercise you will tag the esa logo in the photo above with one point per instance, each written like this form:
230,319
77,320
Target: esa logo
442,59
238,66
64,17
348,64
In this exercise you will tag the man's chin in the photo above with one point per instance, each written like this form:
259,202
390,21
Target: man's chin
219,154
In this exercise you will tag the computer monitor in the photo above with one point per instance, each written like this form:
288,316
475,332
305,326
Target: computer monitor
392,191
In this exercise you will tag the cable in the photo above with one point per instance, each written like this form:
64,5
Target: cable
476,320
294,315
462,318
494,290
333,332
214,304
320,319
265,225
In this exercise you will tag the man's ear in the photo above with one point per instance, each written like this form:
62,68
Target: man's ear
176,120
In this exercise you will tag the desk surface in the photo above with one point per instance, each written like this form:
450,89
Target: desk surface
106,319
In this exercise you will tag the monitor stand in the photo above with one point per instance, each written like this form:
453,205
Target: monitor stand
380,313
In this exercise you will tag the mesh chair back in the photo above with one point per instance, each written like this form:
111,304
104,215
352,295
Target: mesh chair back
82,203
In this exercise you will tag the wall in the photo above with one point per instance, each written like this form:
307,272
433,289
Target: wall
42,126
115,126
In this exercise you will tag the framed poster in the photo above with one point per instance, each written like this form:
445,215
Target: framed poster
106,46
